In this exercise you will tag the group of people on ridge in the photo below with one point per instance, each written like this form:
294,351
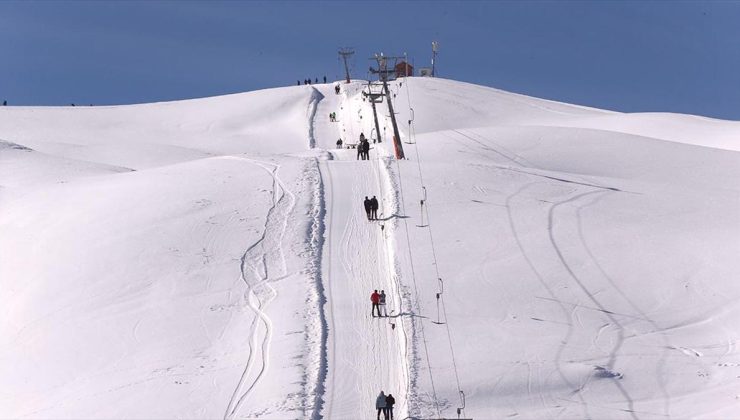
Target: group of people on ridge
308,81
371,208
378,301
384,404
363,148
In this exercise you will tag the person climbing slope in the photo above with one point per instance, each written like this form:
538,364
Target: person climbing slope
380,404
389,401
374,208
366,150
368,207
381,304
375,299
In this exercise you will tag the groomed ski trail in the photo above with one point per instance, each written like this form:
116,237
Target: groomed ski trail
364,354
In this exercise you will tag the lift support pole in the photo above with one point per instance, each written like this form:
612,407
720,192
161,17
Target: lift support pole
383,73
375,98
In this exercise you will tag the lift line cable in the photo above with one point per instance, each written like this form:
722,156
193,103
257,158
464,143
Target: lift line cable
416,289
440,296
378,178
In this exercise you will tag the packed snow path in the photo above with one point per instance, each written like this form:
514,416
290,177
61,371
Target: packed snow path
365,354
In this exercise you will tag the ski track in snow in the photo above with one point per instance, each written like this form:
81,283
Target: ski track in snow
262,263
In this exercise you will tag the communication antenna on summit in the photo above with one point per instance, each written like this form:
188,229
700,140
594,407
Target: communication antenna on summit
346,53
435,49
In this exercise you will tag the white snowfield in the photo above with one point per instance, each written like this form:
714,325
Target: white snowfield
211,258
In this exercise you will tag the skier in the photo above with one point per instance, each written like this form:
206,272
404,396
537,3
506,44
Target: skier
380,404
299,83
339,144
368,207
336,89
381,303
374,208
324,79
375,299
389,401
366,150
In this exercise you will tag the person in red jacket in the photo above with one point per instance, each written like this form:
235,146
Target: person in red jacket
375,299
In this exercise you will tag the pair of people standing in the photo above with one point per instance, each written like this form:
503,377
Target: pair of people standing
333,116
378,301
371,208
363,148
384,404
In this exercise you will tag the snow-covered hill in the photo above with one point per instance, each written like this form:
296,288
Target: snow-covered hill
211,258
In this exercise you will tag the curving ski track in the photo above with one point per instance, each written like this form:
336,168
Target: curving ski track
262,263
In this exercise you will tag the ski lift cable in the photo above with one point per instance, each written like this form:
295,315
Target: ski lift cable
416,289
377,162
391,274
431,240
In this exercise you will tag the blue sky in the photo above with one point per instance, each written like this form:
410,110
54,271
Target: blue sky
625,56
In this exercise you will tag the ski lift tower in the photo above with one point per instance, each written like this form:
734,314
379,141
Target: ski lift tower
375,97
383,72
435,48
346,53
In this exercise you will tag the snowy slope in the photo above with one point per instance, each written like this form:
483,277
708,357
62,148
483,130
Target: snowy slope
589,272
211,258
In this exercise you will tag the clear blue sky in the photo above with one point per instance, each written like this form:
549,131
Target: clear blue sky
626,56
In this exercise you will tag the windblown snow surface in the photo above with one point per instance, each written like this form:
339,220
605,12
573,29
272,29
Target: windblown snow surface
211,258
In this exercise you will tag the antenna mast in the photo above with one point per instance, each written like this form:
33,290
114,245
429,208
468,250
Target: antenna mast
435,48
346,53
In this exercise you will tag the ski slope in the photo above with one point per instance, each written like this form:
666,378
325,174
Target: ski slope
211,258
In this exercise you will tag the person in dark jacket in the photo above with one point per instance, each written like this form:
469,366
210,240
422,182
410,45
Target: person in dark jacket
375,299
366,150
336,89
374,208
324,79
339,144
389,401
368,207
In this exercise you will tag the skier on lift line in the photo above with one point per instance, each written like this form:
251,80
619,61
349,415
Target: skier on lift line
368,207
374,208
389,401
380,404
381,303
366,150
375,300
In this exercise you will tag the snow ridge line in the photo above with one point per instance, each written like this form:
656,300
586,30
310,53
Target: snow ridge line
257,265
313,105
314,397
